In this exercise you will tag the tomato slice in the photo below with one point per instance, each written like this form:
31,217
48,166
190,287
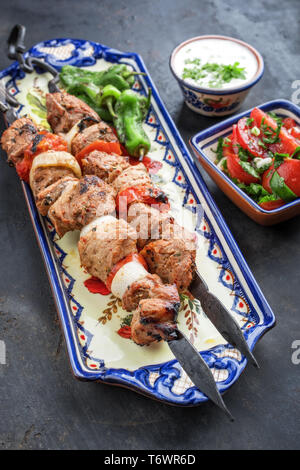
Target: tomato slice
153,166
234,168
147,194
288,123
270,205
234,139
266,178
295,132
289,170
43,142
108,147
249,141
287,143
121,263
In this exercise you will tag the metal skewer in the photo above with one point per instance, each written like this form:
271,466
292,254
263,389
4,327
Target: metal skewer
221,317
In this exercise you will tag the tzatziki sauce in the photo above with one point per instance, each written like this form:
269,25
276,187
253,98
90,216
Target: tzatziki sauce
215,51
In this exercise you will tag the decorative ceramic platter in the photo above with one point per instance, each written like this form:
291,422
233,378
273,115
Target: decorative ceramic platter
91,322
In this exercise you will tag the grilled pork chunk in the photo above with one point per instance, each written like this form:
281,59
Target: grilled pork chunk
106,166
104,245
134,175
80,203
99,131
172,260
48,196
17,137
64,111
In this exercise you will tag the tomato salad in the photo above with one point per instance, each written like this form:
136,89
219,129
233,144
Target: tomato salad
262,157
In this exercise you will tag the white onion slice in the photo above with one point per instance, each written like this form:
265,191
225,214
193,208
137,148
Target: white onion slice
125,276
55,158
104,219
71,134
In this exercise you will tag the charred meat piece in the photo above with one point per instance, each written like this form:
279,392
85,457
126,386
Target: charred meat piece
173,260
151,286
88,198
99,131
135,175
46,176
50,194
106,166
64,110
149,223
17,137
155,308
153,321
104,245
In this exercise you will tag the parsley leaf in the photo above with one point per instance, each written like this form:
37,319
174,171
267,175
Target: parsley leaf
249,169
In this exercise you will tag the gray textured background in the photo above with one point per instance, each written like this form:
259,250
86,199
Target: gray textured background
41,405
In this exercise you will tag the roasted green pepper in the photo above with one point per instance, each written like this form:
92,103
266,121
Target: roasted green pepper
117,75
109,95
131,110
87,85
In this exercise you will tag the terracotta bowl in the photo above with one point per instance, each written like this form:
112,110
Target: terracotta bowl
202,145
216,102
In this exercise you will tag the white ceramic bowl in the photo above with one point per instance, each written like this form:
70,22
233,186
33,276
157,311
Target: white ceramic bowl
211,101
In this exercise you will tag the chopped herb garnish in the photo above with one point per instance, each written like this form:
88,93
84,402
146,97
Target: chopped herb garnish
243,154
249,121
268,198
220,73
219,151
279,158
275,138
256,191
296,153
261,144
249,169
275,117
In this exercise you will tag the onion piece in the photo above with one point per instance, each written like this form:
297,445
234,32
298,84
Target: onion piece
71,134
55,158
96,223
125,276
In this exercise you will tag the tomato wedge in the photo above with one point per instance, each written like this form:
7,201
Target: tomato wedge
270,205
153,166
266,178
288,123
289,170
287,143
103,146
43,142
249,141
147,194
295,132
234,168
133,257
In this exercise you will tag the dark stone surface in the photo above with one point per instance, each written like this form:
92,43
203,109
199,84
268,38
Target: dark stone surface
41,405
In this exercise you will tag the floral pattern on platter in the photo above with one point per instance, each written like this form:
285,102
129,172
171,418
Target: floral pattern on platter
91,321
